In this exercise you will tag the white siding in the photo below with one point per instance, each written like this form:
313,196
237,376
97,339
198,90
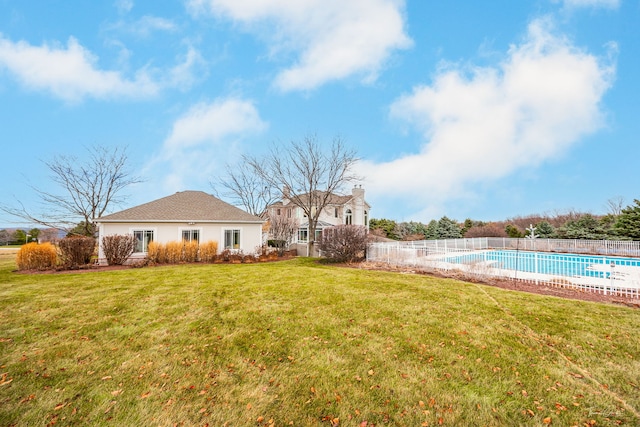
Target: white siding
250,234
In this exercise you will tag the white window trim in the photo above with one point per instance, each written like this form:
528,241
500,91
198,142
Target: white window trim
152,229
317,236
348,216
222,238
181,229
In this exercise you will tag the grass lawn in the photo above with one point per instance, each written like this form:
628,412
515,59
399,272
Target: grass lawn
297,343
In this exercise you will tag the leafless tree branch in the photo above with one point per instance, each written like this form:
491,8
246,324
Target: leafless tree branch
245,188
307,174
87,189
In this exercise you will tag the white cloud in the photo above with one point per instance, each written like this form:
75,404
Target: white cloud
124,6
151,23
69,72
608,4
182,75
484,124
203,139
213,123
144,26
332,39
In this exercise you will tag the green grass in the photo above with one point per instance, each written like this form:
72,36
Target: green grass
297,343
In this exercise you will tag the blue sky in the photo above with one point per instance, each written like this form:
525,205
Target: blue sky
483,110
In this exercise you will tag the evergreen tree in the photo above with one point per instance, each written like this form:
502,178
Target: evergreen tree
431,232
386,225
586,227
448,229
410,230
545,230
81,229
513,231
628,222
19,237
468,223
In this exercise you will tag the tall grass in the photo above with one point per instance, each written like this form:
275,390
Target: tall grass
208,251
34,256
176,252
296,343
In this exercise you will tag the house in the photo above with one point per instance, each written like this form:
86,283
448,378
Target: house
186,215
340,209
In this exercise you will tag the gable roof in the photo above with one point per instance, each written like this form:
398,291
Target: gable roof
333,199
183,206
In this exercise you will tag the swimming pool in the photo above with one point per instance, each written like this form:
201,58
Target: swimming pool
557,264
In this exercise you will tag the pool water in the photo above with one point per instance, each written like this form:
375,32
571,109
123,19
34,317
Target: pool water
562,264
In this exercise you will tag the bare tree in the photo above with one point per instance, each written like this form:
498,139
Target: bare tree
615,205
49,235
282,229
243,187
4,237
87,189
307,174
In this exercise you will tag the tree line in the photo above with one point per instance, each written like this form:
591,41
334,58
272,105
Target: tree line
619,224
20,236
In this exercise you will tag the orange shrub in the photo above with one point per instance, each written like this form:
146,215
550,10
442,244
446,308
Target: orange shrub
208,251
34,256
156,253
190,251
174,252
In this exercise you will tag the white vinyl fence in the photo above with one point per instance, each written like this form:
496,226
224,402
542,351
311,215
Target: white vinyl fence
609,267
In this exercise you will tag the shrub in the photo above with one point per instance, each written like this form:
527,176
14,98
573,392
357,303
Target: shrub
174,252
118,248
344,243
34,256
156,253
208,251
235,257
76,250
190,251
225,255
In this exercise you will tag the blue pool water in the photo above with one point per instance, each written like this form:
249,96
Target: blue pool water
560,264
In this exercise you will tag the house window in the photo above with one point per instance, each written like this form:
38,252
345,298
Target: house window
191,235
303,235
278,211
348,217
232,239
143,237
366,218
335,212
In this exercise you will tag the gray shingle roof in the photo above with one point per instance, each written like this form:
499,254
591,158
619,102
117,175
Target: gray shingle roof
334,199
183,206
